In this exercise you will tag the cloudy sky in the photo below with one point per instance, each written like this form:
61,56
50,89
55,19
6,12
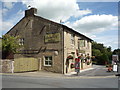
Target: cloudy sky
97,20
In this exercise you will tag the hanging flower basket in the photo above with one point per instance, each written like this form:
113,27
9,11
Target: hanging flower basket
70,57
88,57
72,65
79,57
88,63
85,59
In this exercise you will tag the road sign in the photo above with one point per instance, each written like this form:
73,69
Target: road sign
115,68
115,57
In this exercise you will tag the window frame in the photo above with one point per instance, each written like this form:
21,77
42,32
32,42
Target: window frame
73,39
48,61
82,43
21,41
88,45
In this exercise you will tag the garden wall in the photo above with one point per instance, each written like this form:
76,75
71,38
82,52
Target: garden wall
6,66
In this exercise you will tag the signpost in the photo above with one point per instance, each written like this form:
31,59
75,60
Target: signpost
118,74
115,57
116,65
115,62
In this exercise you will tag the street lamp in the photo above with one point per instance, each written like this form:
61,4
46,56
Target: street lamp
118,70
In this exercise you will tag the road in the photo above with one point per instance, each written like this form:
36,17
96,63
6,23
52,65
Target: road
96,78
98,70
43,82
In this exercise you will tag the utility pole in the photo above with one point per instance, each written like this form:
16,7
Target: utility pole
118,70
118,73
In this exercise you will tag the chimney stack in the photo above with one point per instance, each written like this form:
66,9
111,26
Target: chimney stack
30,12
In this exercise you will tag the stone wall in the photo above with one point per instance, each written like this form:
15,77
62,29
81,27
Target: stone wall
70,49
6,66
36,33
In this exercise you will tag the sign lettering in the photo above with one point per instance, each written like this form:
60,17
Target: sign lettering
52,37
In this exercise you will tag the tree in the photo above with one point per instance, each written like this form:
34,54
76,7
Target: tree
102,54
117,52
9,45
98,46
96,52
104,59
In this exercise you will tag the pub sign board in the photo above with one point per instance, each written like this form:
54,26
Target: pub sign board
52,37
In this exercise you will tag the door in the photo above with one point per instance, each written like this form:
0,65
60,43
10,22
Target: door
26,64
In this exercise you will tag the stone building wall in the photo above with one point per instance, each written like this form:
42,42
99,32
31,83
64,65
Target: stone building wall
70,49
43,37
33,30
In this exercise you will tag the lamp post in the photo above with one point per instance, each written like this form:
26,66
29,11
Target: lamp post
119,74
118,70
118,64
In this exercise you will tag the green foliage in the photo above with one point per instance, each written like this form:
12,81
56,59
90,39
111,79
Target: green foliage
96,52
102,54
103,58
117,52
9,44
0,43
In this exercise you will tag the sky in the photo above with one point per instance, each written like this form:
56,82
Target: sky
96,19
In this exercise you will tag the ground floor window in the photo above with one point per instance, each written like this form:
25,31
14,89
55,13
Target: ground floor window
48,61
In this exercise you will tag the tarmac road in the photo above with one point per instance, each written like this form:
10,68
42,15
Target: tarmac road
98,77
98,70
12,81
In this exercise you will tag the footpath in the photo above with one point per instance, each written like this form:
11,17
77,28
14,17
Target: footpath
94,72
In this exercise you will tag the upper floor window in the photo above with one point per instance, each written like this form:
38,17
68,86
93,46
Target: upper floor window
72,39
82,43
21,41
88,44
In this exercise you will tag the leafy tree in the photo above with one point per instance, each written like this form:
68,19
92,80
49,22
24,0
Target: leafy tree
98,46
117,51
96,52
9,44
109,49
102,54
103,59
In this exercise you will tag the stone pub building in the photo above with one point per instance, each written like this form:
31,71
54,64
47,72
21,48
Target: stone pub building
51,43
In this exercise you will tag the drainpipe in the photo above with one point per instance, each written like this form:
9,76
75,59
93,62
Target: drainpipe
63,50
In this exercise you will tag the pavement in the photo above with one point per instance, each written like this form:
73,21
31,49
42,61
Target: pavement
95,72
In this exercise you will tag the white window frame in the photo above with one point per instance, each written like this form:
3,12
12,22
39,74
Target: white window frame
48,60
82,43
88,44
72,39
21,41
